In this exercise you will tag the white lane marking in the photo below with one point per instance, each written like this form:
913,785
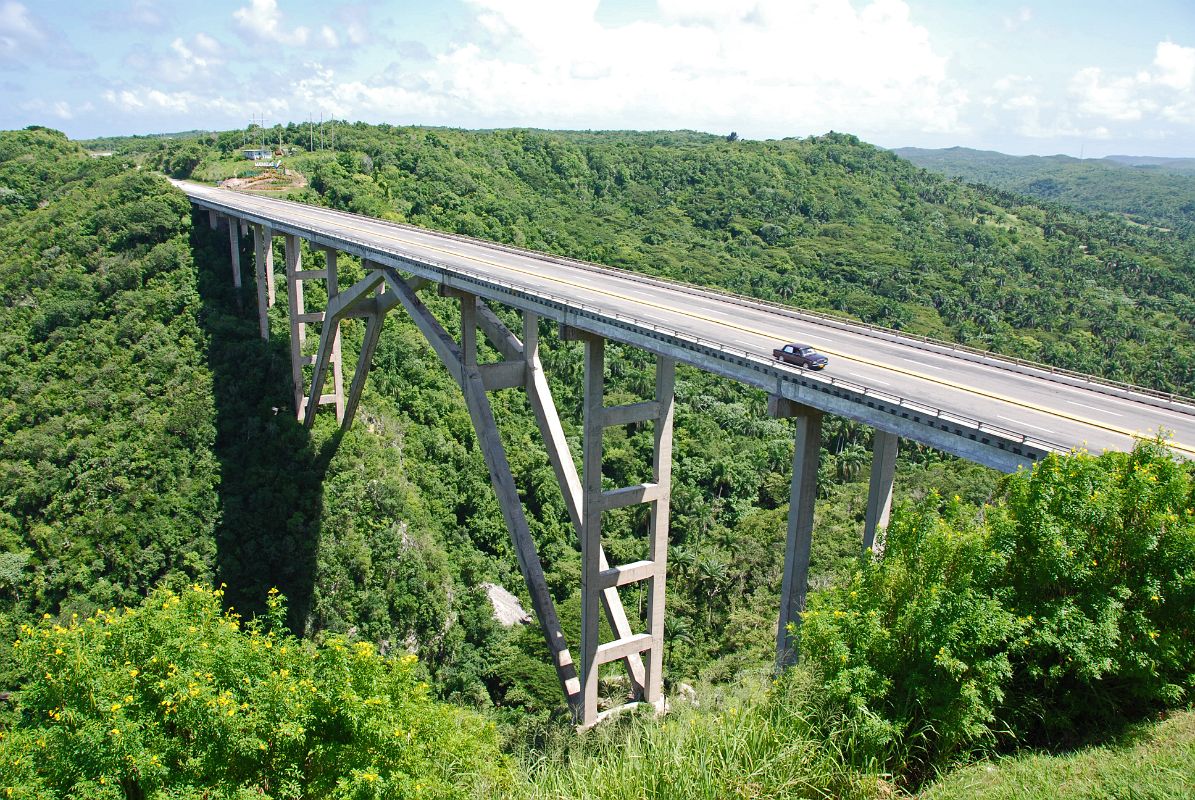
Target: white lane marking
1026,424
877,380
812,336
921,363
1095,408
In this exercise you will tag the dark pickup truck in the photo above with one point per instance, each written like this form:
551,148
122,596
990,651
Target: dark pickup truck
802,355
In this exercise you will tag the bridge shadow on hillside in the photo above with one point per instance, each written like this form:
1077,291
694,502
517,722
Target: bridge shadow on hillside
271,485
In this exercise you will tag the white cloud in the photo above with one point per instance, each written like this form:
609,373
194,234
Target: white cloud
763,67
329,37
1175,65
1166,90
261,20
1111,98
145,14
59,108
188,61
145,98
1022,17
20,35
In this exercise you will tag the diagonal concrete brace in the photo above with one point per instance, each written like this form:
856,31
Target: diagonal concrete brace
468,377
561,457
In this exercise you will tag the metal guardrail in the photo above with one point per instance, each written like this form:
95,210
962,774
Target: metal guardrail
1186,404
815,381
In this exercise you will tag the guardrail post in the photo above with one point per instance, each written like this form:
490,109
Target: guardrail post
806,453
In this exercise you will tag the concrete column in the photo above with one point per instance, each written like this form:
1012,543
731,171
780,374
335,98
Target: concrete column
262,252
234,243
269,264
333,283
469,329
212,218
591,529
879,492
806,452
294,292
561,458
658,532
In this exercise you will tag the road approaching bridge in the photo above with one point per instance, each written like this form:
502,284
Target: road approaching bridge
992,410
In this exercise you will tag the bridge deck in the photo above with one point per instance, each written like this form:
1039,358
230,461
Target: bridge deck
979,406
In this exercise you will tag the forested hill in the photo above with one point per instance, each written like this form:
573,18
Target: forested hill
148,452
1157,191
827,223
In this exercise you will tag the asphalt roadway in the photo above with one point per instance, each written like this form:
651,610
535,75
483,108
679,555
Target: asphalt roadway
1090,415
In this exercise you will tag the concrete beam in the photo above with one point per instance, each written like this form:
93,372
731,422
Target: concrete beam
806,452
879,491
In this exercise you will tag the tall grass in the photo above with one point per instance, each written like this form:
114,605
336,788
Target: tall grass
753,740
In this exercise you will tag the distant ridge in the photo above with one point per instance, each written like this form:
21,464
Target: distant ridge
1149,189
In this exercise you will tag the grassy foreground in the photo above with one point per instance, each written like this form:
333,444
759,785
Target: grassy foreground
1154,761
745,745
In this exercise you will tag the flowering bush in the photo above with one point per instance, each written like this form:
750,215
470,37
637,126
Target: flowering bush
914,647
1101,569
1069,604
179,698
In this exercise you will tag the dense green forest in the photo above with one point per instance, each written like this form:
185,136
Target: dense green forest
1157,192
147,444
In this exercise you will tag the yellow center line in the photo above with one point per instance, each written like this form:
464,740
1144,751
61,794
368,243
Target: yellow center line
713,320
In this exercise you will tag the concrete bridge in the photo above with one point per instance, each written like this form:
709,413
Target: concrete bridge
996,411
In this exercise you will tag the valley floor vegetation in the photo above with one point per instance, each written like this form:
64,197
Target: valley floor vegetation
148,454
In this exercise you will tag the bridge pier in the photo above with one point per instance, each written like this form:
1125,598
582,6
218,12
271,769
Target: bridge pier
806,452
879,490
596,576
234,244
263,258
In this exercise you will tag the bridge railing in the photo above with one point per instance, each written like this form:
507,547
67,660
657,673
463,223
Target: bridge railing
711,347
1168,400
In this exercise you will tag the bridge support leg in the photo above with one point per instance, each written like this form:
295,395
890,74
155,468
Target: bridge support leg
469,378
806,453
561,458
879,492
298,331
594,578
263,253
212,218
234,244
271,282
332,276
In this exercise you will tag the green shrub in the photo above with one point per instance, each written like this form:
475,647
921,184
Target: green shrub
1067,606
177,698
913,647
1101,569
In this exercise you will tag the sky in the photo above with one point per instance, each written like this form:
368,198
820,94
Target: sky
1088,79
